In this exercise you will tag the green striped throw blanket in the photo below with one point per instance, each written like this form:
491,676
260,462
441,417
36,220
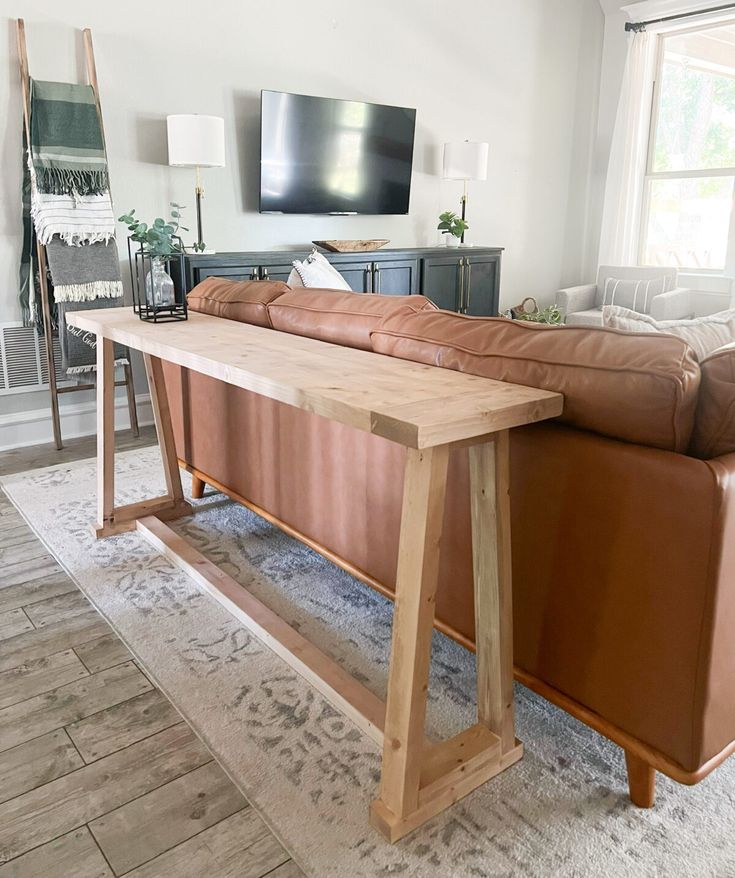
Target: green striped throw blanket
67,150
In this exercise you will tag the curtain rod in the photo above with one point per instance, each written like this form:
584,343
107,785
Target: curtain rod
638,26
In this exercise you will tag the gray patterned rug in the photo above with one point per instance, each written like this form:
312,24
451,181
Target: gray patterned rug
562,811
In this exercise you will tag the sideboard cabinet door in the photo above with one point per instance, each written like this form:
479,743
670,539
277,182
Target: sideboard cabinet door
440,280
482,285
240,272
396,277
357,272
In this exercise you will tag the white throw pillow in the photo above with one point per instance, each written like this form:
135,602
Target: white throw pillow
634,294
703,334
317,271
294,279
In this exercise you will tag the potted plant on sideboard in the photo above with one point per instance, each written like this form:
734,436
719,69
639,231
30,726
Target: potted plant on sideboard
453,227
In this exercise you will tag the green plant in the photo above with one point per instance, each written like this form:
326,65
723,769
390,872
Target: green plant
161,238
451,224
551,315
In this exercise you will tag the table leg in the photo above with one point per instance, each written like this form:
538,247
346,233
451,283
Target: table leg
419,778
413,618
162,417
105,433
491,553
114,520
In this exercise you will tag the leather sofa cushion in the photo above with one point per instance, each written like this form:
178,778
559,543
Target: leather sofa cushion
339,317
241,300
714,425
629,386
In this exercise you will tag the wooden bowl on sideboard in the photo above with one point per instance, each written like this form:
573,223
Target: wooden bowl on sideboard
352,246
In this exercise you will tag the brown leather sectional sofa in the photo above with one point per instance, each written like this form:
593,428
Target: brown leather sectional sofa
623,509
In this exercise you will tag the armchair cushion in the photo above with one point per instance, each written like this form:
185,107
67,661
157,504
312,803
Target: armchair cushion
703,334
588,317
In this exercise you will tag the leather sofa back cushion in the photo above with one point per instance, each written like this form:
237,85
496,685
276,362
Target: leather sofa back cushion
241,300
339,317
714,426
629,386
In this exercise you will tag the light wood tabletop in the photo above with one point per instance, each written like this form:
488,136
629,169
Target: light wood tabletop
416,405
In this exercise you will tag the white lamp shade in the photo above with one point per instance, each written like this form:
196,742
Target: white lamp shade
196,141
465,161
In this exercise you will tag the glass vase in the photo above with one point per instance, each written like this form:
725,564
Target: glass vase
159,286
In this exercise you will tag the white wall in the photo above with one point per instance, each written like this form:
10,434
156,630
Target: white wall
523,75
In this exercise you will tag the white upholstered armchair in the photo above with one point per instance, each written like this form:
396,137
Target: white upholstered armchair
649,290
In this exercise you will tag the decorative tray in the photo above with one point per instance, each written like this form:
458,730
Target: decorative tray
352,246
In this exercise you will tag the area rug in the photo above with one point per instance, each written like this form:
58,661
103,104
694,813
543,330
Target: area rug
562,811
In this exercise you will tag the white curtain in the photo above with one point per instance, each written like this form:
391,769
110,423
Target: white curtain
621,216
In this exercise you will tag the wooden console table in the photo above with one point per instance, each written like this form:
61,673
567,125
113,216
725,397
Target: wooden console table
427,410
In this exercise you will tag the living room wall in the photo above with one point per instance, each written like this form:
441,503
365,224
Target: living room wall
521,74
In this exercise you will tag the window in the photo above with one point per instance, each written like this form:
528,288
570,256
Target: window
688,216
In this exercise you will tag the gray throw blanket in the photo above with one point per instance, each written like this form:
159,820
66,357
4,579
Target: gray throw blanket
85,273
79,349
84,277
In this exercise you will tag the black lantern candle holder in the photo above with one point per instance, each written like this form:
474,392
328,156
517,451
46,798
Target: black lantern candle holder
156,297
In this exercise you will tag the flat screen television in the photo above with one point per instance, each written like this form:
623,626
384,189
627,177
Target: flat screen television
321,155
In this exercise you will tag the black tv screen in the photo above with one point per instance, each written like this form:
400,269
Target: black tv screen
319,155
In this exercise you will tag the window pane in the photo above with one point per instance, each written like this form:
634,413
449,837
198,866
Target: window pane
696,121
689,222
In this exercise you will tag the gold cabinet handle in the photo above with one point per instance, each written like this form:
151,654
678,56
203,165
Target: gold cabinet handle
469,286
461,286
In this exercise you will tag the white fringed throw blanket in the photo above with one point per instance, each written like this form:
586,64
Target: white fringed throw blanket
76,219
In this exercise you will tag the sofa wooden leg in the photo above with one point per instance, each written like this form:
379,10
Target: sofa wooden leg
641,781
197,488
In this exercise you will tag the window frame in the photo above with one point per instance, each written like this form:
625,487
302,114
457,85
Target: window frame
650,176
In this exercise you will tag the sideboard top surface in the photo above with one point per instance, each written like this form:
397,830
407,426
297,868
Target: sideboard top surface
292,253
416,405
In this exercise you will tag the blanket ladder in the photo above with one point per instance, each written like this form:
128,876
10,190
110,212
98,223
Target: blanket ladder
54,389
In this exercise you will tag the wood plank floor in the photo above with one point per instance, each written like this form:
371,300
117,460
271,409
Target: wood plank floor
99,774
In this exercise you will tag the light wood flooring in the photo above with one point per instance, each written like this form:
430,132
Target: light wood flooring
99,774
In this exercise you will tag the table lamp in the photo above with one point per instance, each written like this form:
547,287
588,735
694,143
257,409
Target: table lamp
465,161
196,142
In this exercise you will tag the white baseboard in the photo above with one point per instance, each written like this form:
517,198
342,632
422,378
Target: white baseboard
21,429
